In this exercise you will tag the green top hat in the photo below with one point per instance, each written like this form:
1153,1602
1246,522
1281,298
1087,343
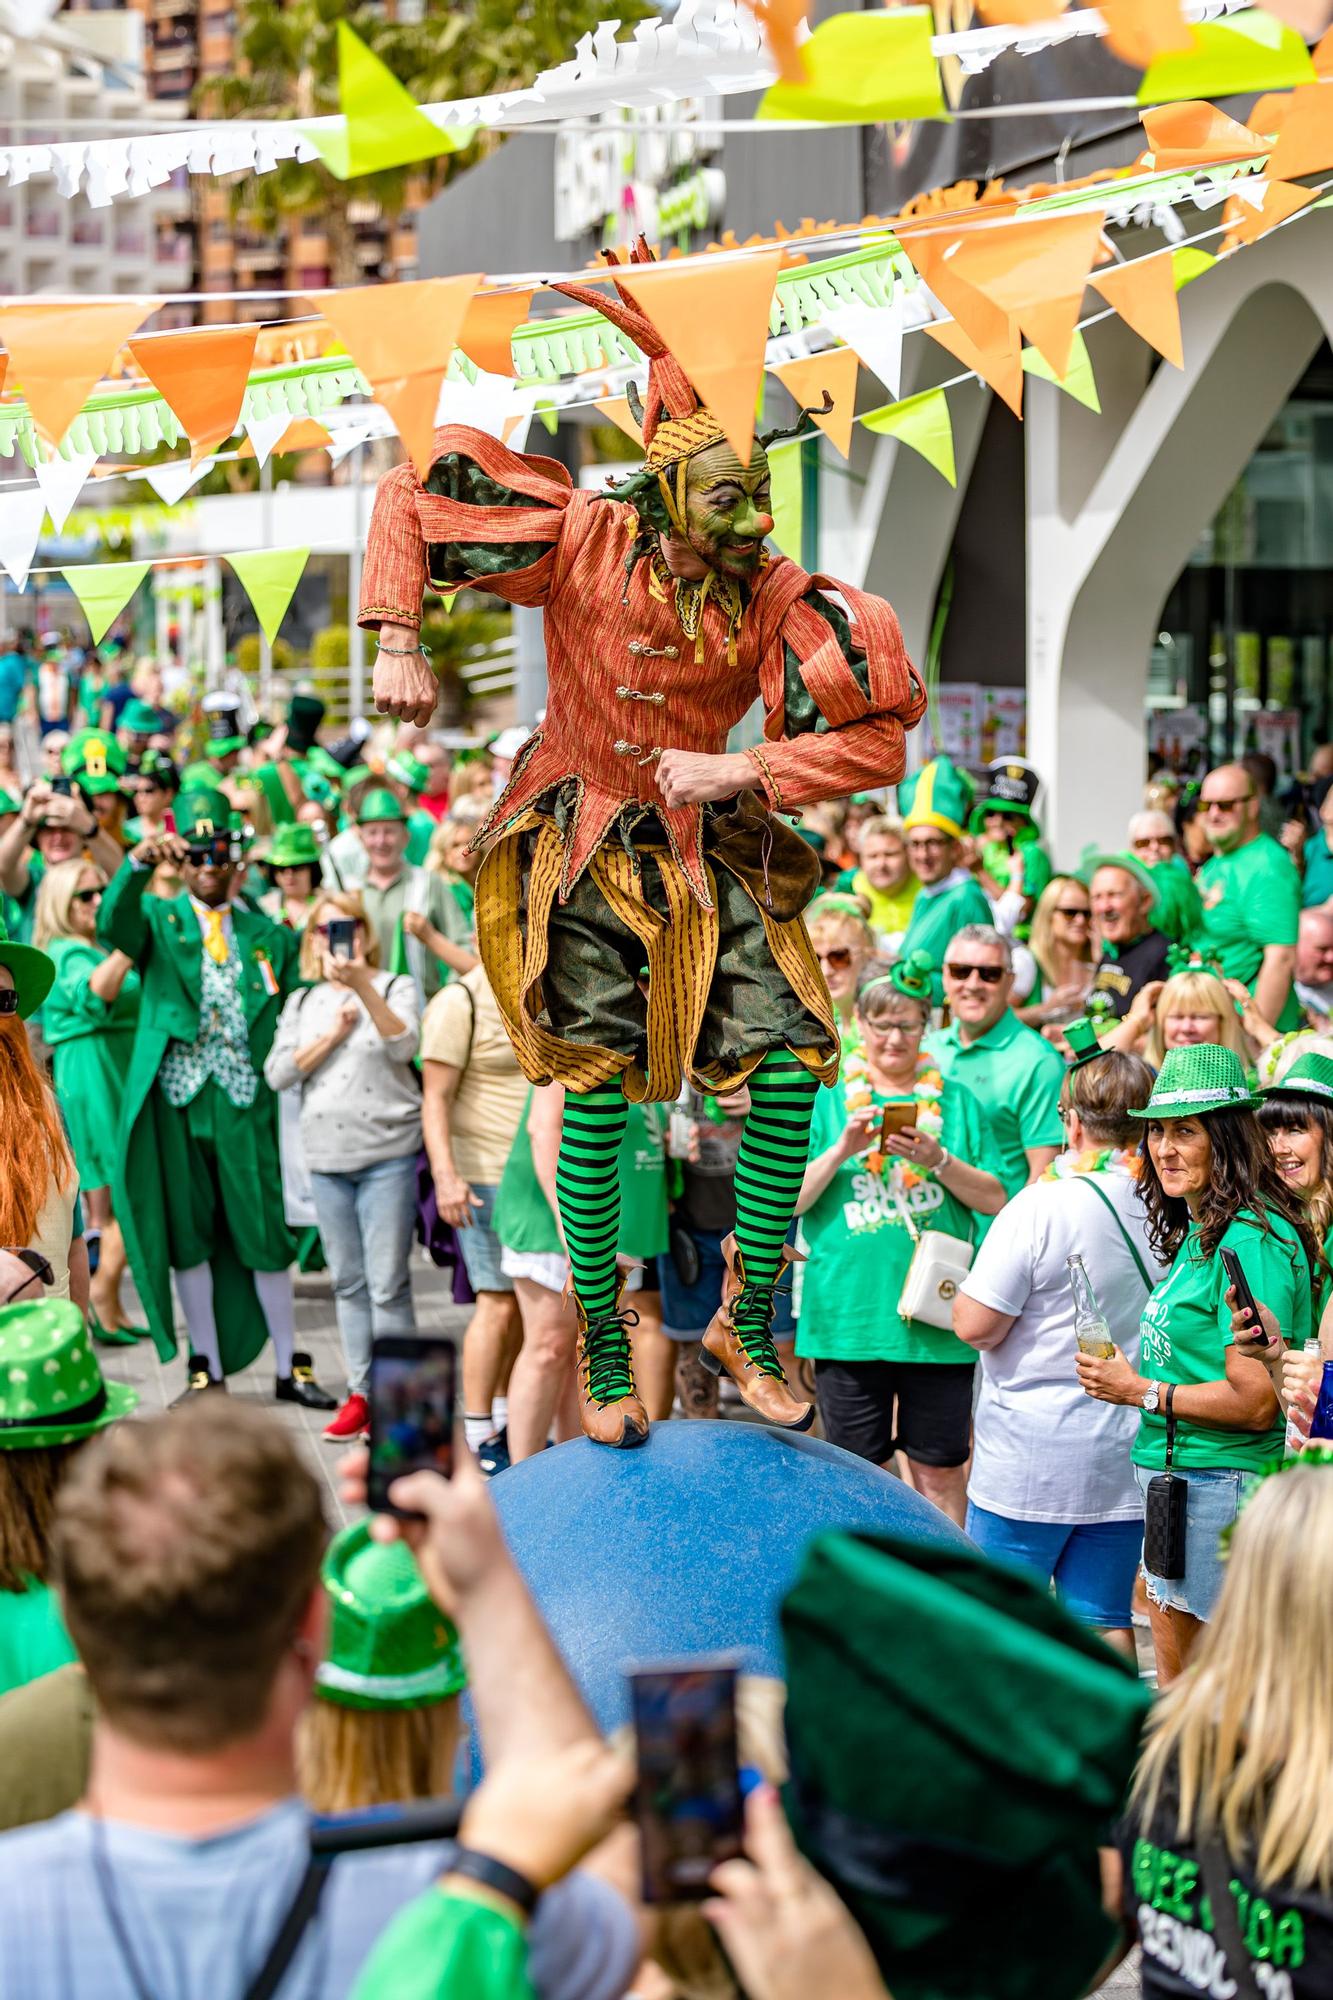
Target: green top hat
1081,1036
1194,1081
96,759
910,976
958,1743
390,1645
33,972
318,761
140,718
202,813
1011,787
51,1388
939,795
305,712
156,764
222,712
1093,858
409,771
380,804
1309,1076
293,846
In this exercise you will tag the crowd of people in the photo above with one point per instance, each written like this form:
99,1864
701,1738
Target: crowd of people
245,1030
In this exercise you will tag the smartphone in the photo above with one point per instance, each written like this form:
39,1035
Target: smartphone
896,1118
62,788
342,937
412,1395
688,1793
168,822
1244,1296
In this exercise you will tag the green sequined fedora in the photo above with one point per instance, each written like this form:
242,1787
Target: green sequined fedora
52,1390
33,972
390,1645
1308,1076
1194,1081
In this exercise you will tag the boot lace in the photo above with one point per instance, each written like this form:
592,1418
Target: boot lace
607,1367
751,1318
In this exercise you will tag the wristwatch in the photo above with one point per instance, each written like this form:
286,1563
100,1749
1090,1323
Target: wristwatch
1151,1398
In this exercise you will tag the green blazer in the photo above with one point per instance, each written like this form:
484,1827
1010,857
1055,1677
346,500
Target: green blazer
163,939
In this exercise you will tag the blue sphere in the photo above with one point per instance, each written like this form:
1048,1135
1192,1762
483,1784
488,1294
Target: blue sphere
687,1545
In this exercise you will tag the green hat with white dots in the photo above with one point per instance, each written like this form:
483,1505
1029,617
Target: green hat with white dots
52,1390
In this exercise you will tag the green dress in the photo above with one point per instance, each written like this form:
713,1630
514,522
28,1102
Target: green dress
523,1220
92,1043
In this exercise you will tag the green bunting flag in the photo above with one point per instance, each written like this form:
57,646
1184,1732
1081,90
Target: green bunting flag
786,497
1189,263
104,589
1078,379
923,422
864,68
1244,53
270,576
385,126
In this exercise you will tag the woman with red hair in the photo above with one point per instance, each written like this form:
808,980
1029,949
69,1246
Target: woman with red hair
39,1186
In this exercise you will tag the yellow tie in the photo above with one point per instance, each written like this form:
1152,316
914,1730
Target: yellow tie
215,941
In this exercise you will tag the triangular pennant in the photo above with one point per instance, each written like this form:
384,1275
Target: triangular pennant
62,480
262,434
172,482
1079,382
1138,31
348,437
864,69
1035,271
1321,55
489,327
781,22
786,487
269,577
202,373
1183,136
1019,13
104,589
1305,143
1144,295
616,410
401,338
875,336
385,125
688,302
1239,56
59,354
924,423
1245,224
807,380
934,254
22,512
1002,367
1189,263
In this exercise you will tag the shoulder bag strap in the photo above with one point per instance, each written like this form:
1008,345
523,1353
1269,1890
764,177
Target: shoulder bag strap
301,1912
1088,1182
1216,1875
1170,1423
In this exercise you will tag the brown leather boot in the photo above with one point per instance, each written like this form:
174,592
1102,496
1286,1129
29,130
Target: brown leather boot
749,1357
609,1407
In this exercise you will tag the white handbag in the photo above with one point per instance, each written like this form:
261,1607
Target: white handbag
939,1264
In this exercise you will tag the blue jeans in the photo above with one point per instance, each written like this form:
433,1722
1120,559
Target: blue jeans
1092,1563
366,1222
1212,1502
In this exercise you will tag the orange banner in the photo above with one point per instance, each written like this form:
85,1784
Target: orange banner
807,379
1033,271
488,329
1001,366
61,352
1244,224
1305,141
1144,294
401,338
712,312
202,373
1195,135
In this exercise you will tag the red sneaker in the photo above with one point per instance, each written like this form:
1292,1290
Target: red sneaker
352,1420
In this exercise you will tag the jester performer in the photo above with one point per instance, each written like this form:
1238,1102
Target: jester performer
628,837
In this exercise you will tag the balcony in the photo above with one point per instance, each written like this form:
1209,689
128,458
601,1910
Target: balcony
130,242
42,222
89,229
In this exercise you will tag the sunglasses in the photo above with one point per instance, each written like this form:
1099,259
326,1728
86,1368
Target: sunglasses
1065,910
989,975
839,958
1224,805
86,896
36,1263
1155,840
9,1000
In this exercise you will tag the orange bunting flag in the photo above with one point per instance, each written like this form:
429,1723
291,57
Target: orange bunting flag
1245,224
489,327
984,323
1196,135
1001,367
202,374
301,434
781,22
1268,113
616,410
1144,294
1034,271
1019,13
807,380
1321,55
402,337
1305,140
60,353
712,312
1138,31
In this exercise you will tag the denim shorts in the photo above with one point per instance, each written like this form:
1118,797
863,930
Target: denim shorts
480,1246
1091,1563
1212,1504
687,1309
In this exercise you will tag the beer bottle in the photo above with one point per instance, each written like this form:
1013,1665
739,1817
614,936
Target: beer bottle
1090,1327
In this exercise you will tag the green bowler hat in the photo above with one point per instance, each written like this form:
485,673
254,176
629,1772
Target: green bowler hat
378,805
51,1388
1309,1076
202,813
33,972
293,846
409,770
1093,858
958,1746
1194,1081
390,1645
938,795
138,718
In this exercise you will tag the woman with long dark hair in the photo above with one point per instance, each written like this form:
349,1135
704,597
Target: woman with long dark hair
1209,1184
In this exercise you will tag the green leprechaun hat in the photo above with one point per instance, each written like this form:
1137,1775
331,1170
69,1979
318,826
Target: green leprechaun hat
1011,786
938,795
1084,1046
305,712
52,1390
140,718
33,972
380,804
1194,1081
1309,1076
1093,858
96,759
409,771
912,976
293,846
390,1645
202,813
222,713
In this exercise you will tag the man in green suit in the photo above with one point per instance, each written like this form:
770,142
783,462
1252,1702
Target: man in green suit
199,1189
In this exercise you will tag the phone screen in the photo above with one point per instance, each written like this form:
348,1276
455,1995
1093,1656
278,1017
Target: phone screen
1244,1296
62,788
688,1796
342,937
896,1118
411,1412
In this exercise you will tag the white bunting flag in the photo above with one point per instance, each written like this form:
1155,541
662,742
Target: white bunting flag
22,511
172,482
264,432
62,480
875,336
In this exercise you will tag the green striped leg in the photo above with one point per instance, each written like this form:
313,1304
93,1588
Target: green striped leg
769,1171
588,1184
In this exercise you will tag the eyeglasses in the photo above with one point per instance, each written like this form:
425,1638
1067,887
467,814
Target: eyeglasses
1075,915
882,1030
86,896
917,845
35,1262
839,958
989,975
1153,840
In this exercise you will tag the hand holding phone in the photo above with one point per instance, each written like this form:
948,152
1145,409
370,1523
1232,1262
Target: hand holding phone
412,1397
342,937
895,1118
1244,1298
688,1795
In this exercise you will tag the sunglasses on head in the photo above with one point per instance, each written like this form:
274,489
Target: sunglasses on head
86,896
989,975
839,958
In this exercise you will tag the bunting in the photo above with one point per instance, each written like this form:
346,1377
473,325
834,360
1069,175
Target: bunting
269,578
713,315
402,337
924,423
1145,294
59,353
202,374
104,589
807,380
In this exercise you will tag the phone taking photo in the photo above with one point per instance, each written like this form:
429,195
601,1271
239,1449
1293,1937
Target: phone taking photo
688,1793
412,1399
342,938
1245,1298
894,1119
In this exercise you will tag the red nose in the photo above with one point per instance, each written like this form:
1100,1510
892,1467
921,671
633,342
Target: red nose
763,525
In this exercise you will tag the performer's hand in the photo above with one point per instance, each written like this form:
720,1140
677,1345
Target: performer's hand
403,682
688,777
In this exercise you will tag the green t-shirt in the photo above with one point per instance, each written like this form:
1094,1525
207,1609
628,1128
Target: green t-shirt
522,1217
442,1946
1179,913
1251,899
859,1247
1317,887
1016,1075
935,918
33,1639
1186,1330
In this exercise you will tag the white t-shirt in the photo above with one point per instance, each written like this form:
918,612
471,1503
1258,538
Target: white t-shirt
1044,1451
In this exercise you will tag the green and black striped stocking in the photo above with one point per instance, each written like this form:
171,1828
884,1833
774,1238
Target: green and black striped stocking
588,1184
769,1171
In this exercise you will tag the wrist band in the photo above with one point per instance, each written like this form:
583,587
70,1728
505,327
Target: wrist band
946,1160
403,652
493,1874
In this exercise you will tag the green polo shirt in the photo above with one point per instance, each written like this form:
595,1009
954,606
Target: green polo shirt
1317,888
936,915
1016,1075
1251,899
